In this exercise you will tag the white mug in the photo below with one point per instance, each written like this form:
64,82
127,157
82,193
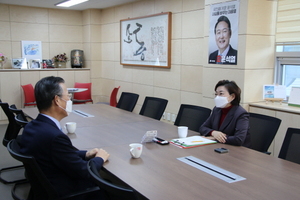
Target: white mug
70,127
136,150
182,131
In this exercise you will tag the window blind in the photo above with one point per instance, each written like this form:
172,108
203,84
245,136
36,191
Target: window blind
288,21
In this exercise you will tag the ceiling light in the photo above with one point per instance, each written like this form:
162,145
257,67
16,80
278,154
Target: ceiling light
70,3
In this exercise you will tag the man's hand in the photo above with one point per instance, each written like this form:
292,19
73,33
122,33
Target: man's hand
219,136
103,154
92,153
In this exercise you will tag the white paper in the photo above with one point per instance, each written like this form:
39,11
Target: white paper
192,141
295,96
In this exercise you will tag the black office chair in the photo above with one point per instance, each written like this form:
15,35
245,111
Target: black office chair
11,132
20,120
153,107
41,188
127,101
262,130
110,190
21,115
192,116
290,149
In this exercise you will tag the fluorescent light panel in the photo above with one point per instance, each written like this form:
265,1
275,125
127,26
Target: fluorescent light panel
70,3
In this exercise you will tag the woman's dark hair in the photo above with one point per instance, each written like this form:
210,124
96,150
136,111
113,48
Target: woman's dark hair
46,89
232,88
223,19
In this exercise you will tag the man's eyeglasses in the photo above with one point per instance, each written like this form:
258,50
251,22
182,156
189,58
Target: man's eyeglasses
68,95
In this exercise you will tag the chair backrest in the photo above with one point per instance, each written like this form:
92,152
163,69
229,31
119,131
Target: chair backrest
19,113
20,120
113,97
13,109
40,185
262,130
13,128
192,116
153,107
28,95
85,95
127,101
112,191
290,149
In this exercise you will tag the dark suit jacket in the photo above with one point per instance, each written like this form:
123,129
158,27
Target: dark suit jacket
232,52
235,125
62,163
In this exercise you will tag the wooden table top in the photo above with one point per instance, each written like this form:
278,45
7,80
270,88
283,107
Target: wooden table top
157,174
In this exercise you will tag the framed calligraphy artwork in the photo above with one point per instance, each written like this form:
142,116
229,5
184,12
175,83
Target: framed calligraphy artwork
146,41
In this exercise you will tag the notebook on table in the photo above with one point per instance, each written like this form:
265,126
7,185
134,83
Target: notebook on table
192,141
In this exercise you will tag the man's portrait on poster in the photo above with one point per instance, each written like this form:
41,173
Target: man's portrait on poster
223,33
225,54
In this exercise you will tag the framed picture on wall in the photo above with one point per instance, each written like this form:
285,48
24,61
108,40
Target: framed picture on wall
32,50
146,41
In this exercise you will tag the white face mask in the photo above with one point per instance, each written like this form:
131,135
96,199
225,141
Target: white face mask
221,102
68,107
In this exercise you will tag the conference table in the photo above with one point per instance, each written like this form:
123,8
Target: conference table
158,174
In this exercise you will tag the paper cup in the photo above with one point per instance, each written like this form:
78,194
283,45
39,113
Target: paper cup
182,131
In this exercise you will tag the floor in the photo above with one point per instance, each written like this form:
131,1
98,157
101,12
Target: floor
7,161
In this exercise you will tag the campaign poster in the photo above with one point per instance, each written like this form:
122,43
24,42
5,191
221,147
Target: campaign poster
223,33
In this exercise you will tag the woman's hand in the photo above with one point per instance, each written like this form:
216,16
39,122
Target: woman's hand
219,136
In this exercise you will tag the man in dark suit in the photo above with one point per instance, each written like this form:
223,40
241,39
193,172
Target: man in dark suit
226,54
61,162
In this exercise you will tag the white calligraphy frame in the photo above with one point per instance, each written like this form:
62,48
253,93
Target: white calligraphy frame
146,41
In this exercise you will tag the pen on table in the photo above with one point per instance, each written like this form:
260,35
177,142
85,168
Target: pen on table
197,141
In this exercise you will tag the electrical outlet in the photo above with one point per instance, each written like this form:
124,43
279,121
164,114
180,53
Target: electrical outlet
164,115
168,116
173,117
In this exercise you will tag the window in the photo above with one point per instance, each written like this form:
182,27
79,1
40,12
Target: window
288,65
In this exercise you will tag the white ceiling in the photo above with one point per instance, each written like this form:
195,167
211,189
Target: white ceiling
96,4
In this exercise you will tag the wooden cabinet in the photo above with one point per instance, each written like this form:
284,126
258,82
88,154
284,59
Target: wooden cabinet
12,79
289,115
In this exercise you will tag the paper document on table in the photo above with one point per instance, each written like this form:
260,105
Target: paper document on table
193,141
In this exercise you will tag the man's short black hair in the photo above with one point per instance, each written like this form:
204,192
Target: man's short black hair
46,89
223,19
